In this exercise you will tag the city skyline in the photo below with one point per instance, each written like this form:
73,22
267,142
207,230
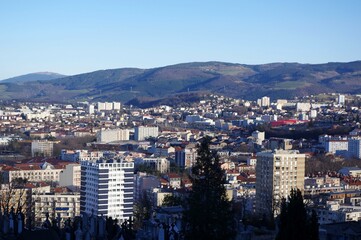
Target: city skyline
74,37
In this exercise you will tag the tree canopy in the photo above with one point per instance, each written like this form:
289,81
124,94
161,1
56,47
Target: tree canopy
208,213
294,222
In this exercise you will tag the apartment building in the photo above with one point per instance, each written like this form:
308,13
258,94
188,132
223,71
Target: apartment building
156,163
143,132
107,188
33,172
111,135
42,148
354,147
277,172
70,176
60,203
185,157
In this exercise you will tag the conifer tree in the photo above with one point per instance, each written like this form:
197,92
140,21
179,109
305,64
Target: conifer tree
313,227
294,223
208,213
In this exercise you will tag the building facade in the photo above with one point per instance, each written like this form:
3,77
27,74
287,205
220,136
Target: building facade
70,176
45,172
63,205
42,148
142,132
354,147
107,188
186,157
111,135
277,172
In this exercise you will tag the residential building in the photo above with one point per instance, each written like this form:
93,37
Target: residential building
341,99
264,102
59,203
185,157
258,137
339,147
111,135
350,171
354,147
158,163
303,107
77,155
91,109
107,188
143,132
42,148
70,176
44,172
280,143
277,173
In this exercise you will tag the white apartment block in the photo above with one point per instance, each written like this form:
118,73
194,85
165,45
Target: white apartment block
264,101
70,176
341,99
303,107
109,106
277,173
142,132
101,106
111,135
336,146
42,148
107,188
117,105
91,109
66,205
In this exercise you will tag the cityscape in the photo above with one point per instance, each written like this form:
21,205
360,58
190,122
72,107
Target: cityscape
180,120
64,161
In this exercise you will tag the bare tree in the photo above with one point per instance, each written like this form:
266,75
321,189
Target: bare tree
15,195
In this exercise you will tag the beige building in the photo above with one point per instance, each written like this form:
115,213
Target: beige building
70,176
64,204
45,172
42,148
277,172
157,163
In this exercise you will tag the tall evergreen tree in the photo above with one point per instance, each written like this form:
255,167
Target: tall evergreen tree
294,223
313,227
208,213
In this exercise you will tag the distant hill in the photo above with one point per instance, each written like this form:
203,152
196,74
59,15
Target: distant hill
277,80
33,77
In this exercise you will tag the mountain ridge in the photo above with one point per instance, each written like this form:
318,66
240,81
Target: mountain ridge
33,77
277,80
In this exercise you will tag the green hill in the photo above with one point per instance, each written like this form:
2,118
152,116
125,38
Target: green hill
277,80
33,77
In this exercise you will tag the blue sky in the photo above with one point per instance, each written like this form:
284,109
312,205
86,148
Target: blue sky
72,37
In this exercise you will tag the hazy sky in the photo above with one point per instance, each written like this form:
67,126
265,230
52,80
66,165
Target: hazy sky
77,36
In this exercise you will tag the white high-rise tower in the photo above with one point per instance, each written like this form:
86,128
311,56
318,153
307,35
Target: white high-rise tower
107,188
